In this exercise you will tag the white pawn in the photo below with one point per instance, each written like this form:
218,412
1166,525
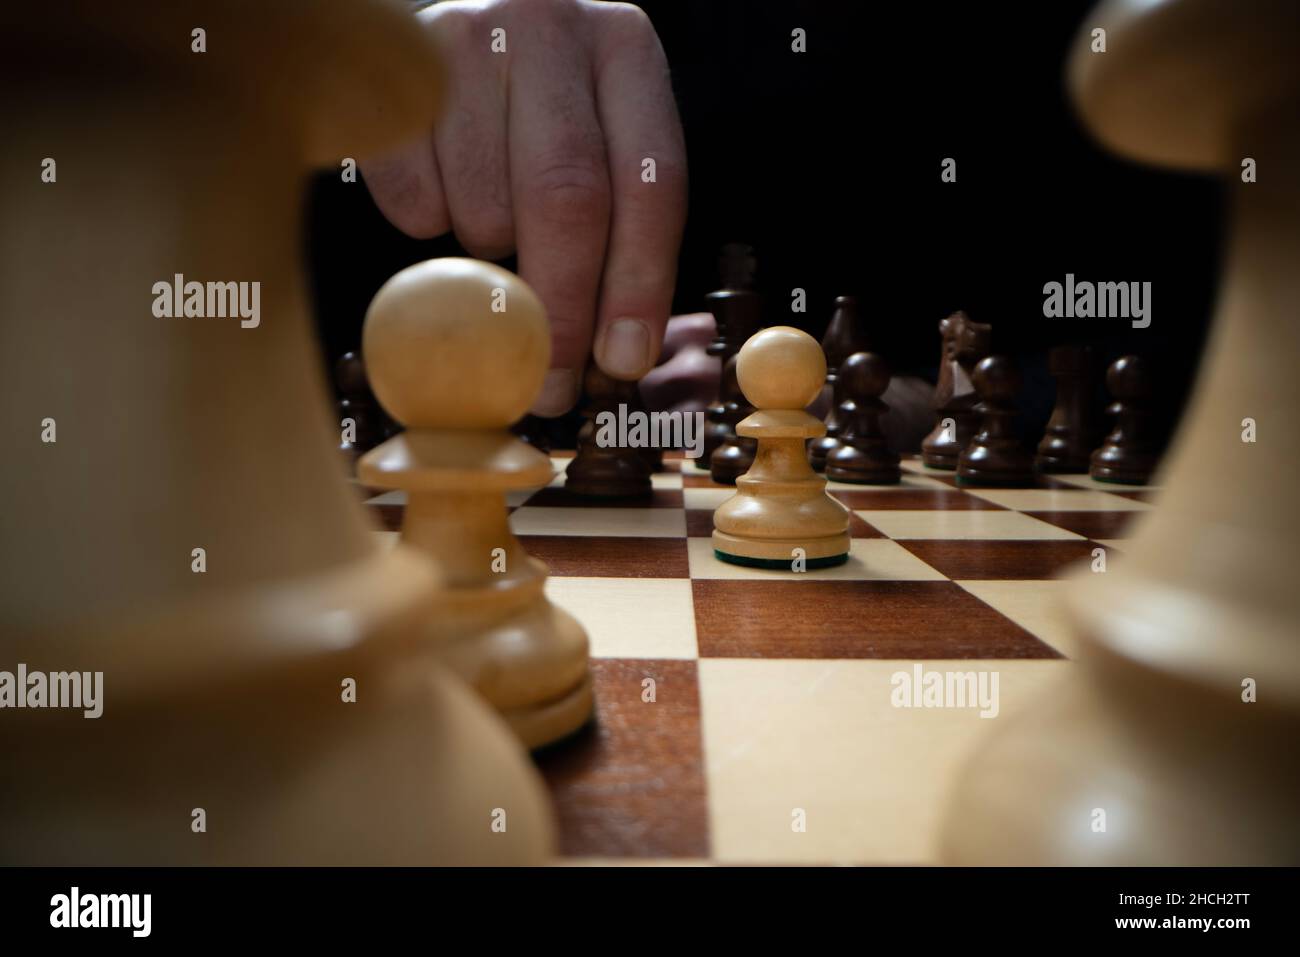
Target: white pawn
457,350
781,515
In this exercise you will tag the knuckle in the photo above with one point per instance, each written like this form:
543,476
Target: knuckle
572,192
486,238
559,13
625,30
454,23
629,17
404,201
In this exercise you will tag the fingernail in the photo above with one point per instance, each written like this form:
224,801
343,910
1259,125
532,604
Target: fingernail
559,392
625,349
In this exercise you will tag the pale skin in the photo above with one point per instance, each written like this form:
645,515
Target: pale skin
540,151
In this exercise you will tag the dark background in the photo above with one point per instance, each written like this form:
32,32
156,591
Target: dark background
828,163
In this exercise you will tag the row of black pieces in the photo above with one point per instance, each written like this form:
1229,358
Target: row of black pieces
980,443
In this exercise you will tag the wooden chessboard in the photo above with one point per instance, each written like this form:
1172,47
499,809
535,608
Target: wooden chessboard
772,690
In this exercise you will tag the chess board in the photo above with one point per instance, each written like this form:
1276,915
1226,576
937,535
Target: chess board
770,702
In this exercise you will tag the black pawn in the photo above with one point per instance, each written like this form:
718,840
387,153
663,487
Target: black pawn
845,334
995,455
358,404
532,429
737,311
1070,434
606,470
653,454
1128,455
735,455
862,455
822,446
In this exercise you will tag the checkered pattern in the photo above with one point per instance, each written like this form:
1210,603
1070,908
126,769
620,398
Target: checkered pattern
734,702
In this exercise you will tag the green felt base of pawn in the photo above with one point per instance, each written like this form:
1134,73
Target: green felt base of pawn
830,561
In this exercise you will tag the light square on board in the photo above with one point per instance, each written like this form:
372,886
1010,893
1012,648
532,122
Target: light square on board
962,524
823,737
666,480
706,499
1088,482
631,617
633,522
1058,500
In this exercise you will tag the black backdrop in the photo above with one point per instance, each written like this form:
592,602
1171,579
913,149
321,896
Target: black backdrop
828,163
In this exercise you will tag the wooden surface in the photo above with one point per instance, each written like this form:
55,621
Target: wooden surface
772,689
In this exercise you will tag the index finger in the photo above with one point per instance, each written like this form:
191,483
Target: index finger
647,162
559,185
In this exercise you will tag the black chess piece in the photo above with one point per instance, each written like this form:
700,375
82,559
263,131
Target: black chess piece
821,447
862,455
845,334
602,466
1129,453
1071,431
995,455
653,454
357,404
532,429
735,455
738,312
964,344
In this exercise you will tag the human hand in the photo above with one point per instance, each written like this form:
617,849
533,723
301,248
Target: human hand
541,151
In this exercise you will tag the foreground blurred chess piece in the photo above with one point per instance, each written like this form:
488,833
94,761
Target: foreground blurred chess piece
1161,725
965,343
781,504
456,371
224,671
